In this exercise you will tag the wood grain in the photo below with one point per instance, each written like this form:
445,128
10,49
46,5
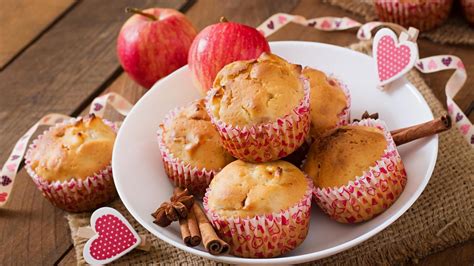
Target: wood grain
459,255
63,70
46,225
252,13
23,20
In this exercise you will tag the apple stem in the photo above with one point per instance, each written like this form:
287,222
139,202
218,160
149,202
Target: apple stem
223,19
139,12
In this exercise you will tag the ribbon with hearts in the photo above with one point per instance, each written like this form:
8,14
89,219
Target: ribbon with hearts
113,238
11,166
13,162
120,104
385,74
279,20
453,86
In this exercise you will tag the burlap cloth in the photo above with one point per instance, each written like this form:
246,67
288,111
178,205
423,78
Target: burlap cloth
441,217
456,30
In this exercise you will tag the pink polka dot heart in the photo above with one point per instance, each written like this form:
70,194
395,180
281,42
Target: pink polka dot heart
393,59
115,237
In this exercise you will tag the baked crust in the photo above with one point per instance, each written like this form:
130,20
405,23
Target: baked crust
191,137
73,151
245,189
257,91
327,101
343,154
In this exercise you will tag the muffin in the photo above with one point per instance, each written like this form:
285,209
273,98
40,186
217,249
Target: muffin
329,102
261,210
356,170
191,149
260,108
468,9
421,14
71,163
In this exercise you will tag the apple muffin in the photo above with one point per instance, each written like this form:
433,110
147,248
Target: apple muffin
260,108
329,102
71,163
265,204
191,149
360,160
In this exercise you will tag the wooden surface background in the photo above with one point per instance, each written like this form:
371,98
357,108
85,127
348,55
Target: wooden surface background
56,56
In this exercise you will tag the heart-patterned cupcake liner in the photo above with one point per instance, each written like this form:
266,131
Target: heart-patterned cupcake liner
422,15
75,195
371,193
264,236
179,172
268,141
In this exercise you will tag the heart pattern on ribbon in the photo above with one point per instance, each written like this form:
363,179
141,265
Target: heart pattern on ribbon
393,58
115,237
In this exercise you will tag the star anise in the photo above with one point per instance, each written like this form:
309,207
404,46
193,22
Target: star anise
174,210
183,197
366,115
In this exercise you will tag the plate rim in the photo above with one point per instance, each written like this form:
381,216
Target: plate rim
297,258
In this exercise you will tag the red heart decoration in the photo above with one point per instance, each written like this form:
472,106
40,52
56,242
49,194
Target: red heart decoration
115,237
393,59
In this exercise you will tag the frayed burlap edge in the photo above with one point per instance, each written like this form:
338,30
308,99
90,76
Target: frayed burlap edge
455,31
443,216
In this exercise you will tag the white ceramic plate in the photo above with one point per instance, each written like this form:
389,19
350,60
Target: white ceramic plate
142,183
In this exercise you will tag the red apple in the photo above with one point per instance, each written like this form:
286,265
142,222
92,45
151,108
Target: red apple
220,44
153,43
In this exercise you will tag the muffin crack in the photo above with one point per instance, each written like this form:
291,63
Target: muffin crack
246,112
244,200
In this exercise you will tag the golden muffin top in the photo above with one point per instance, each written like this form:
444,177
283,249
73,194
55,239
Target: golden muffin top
257,91
191,137
344,154
327,101
245,189
73,151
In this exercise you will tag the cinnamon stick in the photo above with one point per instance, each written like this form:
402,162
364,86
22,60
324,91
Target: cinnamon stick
190,230
405,135
211,241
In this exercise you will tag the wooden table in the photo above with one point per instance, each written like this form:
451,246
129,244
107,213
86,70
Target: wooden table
56,56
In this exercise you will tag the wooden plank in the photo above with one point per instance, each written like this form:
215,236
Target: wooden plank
24,20
68,259
460,255
59,73
207,12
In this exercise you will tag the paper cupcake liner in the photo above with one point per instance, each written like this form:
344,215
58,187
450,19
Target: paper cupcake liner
264,236
181,173
372,192
423,16
75,195
268,141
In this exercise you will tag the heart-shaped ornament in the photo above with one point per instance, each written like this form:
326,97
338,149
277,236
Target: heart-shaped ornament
393,58
114,237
